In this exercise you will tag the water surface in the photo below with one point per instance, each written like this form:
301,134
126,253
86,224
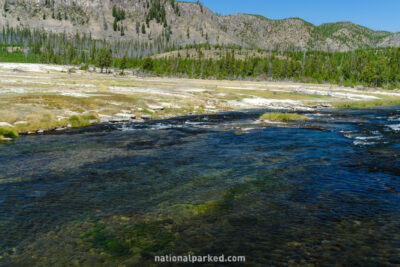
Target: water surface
322,192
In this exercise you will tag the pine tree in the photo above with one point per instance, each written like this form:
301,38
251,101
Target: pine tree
115,25
122,65
104,59
5,6
114,11
148,64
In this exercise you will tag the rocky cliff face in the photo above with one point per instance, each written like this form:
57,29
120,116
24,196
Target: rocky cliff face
183,23
391,40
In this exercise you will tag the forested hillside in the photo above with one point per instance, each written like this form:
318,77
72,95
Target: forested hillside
157,24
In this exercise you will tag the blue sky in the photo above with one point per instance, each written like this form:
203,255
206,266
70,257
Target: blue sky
374,14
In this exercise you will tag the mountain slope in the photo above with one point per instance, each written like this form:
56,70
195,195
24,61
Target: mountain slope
181,23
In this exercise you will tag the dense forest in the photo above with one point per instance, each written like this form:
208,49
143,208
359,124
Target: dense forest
370,67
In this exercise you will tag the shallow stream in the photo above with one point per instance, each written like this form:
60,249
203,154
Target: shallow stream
326,191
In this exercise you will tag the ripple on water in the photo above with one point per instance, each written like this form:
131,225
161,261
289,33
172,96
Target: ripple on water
367,140
394,118
394,127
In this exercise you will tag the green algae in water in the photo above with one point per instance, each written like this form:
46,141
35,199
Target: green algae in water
145,238
155,235
97,238
226,203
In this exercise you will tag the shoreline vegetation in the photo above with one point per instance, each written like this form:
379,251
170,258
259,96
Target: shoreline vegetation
40,97
282,117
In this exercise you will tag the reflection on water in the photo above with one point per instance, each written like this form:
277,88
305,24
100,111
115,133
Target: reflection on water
321,192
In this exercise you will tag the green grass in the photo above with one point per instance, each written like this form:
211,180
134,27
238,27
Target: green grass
18,57
147,111
8,133
367,104
82,120
283,117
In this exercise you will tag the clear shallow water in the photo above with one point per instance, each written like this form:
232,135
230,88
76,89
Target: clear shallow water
322,192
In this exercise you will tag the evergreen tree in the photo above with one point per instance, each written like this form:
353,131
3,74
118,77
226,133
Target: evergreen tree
5,6
122,64
104,59
115,25
148,64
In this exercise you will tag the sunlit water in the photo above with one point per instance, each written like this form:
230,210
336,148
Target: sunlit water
322,192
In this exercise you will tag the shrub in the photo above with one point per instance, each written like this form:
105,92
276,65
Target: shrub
148,64
84,67
283,117
367,104
8,133
82,120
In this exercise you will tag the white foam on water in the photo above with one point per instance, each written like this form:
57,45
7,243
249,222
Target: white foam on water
369,137
394,118
158,126
394,127
363,143
348,134
163,126
248,129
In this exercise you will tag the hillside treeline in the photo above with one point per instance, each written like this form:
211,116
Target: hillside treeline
378,67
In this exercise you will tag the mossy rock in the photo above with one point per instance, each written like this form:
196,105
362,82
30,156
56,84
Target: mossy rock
8,133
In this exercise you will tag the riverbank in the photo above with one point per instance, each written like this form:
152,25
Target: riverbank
35,98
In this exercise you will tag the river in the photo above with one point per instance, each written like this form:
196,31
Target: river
325,191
